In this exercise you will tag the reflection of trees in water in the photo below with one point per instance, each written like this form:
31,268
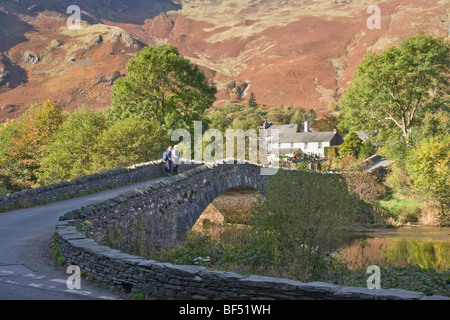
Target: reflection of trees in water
426,254
364,252
401,252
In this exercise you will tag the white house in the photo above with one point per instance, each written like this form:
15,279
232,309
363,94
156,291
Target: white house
307,141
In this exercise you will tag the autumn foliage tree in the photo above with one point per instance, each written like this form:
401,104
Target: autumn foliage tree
33,133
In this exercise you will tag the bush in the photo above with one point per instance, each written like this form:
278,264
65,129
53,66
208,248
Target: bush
364,185
332,152
305,214
429,167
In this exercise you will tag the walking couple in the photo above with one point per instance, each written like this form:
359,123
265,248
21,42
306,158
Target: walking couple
172,159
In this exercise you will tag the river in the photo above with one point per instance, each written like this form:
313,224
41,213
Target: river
428,247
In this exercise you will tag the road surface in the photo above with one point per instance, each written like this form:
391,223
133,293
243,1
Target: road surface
28,270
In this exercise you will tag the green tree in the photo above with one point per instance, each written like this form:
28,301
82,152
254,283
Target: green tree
392,90
163,86
351,146
217,119
9,183
127,142
327,123
367,149
300,115
279,115
435,123
70,154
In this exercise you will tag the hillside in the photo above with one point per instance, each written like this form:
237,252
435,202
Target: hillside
294,51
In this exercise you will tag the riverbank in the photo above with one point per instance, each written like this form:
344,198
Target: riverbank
405,208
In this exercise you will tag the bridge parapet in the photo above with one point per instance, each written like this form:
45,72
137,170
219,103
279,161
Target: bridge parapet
87,184
158,216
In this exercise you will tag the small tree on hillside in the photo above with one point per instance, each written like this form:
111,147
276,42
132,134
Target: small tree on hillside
252,101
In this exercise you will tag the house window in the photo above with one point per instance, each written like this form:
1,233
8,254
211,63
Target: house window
306,145
320,145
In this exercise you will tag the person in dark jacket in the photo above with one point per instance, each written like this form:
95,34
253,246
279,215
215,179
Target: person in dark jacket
167,157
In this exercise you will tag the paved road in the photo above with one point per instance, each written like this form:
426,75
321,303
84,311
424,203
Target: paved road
27,268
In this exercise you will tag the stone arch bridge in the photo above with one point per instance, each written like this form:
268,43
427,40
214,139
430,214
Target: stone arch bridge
158,216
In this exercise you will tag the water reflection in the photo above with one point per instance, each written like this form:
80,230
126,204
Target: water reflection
426,247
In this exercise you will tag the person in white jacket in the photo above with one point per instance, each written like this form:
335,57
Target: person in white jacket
175,160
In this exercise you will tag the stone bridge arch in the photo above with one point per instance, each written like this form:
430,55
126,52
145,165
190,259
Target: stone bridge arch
233,206
158,216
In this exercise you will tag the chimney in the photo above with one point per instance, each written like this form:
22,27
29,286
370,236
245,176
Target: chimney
266,125
306,126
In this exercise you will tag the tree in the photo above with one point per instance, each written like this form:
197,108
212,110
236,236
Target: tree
351,146
429,165
34,131
164,86
279,115
367,149
434,123
393,89
252,101
327,123
127,142
70,154
300,115
9,182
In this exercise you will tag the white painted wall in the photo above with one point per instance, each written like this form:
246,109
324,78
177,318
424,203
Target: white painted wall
311,147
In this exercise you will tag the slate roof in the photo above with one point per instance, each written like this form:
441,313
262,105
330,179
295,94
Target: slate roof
285,128
306,137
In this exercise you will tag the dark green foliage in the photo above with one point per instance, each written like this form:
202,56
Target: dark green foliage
367,149
164,86
252,101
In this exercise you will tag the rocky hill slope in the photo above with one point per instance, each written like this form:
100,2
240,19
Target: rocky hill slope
300,52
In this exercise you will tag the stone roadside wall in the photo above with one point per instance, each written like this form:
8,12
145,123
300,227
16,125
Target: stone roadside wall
135,274
89,184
